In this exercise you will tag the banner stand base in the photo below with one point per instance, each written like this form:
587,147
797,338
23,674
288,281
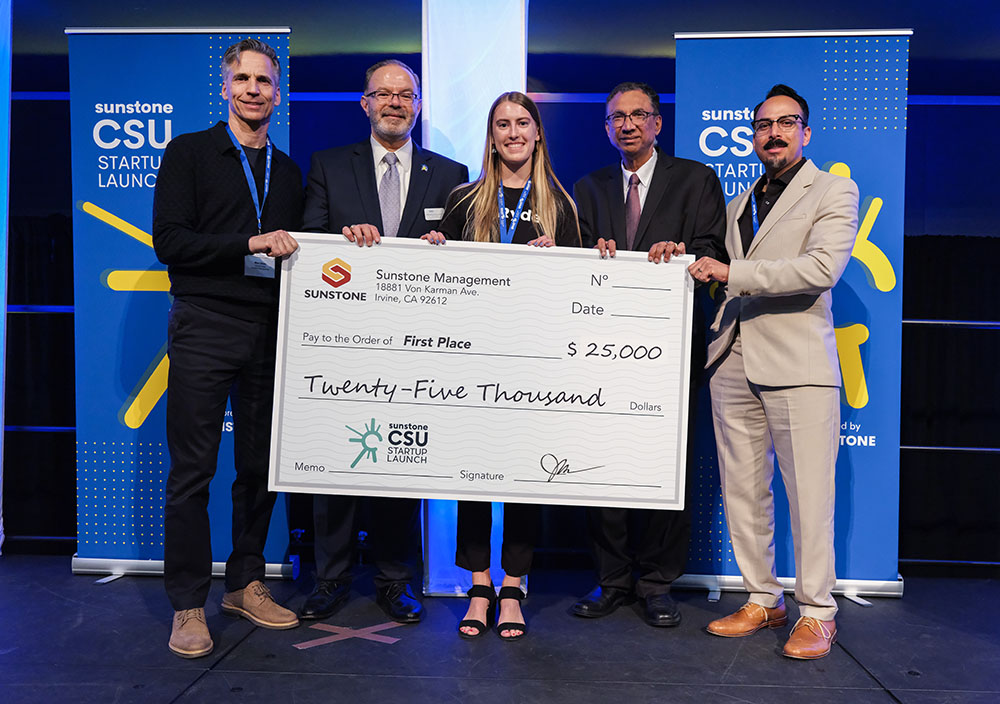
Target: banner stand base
844,587
154,568
714,584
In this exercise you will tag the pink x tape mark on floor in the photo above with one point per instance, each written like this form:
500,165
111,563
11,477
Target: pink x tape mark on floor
343,633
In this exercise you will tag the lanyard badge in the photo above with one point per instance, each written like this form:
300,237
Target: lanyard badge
506,235
256,264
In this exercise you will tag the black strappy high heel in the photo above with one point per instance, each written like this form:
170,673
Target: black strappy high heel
511,593
485,592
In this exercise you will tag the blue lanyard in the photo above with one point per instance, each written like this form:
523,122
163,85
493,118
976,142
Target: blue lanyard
507,235
257,204
753,212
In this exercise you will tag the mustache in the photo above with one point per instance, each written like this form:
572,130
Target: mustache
775,142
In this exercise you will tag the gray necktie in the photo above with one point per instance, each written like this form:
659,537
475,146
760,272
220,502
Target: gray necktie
632,210
388,196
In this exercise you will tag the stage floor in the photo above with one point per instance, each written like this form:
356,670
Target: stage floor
65,638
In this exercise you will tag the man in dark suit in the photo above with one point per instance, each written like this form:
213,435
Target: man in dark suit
654,202
385,186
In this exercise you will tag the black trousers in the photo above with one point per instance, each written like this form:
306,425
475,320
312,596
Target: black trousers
660,538
520,533
394,532
215,357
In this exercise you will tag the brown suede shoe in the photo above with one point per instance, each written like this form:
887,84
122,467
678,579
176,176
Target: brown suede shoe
189,636
811,639
255,603
748,620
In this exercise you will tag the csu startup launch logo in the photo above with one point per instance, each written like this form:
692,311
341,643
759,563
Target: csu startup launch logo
407,442
336,272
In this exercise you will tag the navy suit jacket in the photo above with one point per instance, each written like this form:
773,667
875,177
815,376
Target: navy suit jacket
341,190
684,204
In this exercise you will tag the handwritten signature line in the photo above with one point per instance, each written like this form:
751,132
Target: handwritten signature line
499,408
413,349
546,481
562,467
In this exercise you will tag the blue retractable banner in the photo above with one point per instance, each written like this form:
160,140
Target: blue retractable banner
855,83
132,90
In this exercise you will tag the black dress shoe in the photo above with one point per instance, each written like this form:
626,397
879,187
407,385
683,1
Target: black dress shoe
399,604
600,602
661,610
326,598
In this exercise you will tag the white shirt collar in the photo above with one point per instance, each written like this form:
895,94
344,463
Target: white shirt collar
404,154
644,172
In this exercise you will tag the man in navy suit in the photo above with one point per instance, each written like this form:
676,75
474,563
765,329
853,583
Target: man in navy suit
649,201
385,186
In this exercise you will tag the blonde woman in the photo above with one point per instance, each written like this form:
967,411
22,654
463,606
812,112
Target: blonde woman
516,200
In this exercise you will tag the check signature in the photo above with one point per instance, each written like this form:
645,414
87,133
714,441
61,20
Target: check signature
556,467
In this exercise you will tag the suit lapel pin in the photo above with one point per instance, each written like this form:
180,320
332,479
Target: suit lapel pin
423,167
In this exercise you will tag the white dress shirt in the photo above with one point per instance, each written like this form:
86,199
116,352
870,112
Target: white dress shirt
645,174
405,156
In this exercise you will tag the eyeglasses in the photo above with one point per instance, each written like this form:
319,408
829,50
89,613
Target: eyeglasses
786,123
638,118
384,96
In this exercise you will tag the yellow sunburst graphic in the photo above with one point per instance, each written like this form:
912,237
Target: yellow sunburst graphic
153,384
877,266
881,276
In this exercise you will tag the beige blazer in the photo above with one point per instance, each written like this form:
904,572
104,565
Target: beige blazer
779,291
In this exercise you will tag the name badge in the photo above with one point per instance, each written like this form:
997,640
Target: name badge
433,213
259,265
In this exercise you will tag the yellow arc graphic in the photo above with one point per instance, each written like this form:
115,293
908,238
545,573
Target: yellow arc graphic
139,281
878,268
117,223
155,385
849,341
149,395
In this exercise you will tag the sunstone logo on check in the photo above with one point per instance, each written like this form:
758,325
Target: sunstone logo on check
407,443
336,273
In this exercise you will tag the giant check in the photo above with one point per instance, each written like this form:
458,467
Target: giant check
483,372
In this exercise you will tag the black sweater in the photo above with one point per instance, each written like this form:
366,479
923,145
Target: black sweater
203,218
456,215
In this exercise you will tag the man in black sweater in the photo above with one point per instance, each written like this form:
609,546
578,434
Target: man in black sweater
223,201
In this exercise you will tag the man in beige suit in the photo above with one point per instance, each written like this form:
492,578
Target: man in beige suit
774,372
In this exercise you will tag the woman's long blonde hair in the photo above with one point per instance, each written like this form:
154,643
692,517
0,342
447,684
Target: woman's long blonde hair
483,223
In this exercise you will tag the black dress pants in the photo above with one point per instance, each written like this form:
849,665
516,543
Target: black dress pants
660,552
394,532
661,538
520,533
214,357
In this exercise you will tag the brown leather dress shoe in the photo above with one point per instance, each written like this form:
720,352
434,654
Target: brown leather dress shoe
748,620
189,636
255,603
811,639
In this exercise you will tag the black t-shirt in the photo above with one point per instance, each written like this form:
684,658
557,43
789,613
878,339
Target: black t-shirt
765,201
456,214
257,156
